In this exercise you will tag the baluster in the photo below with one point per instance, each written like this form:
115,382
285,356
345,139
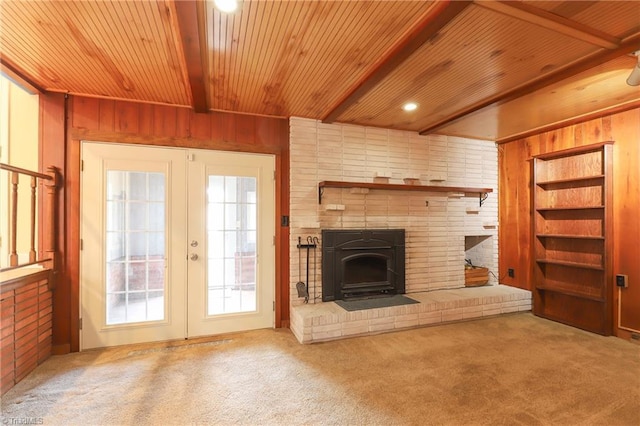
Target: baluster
32,249
50,224
13,255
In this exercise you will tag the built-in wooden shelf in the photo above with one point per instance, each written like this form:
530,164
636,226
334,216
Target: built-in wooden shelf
572,237
568,208
571,264
571,293
572,269
597,179
482,192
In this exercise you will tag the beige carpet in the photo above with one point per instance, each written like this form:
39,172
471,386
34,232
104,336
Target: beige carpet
510,370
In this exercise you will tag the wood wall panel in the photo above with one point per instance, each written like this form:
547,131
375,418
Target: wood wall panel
626,204
53,152
515,201
514,198
26,306
139,123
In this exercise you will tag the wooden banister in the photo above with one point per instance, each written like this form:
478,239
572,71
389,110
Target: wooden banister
48,221
25,171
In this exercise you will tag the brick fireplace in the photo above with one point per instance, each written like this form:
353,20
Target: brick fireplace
436,224
442,229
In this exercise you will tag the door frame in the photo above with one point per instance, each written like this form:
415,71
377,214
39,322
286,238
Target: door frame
66,120
276,144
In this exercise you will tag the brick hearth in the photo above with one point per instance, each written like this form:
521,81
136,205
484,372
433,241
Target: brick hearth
328,321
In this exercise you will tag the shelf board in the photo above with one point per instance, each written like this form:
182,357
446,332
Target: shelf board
571,237
399,187
570,293
573,151
581,179
572,208
571,264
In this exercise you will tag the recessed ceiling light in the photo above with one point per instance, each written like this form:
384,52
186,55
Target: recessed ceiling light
226,6
410,106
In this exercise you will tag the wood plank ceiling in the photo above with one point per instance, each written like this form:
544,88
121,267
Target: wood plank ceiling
486,69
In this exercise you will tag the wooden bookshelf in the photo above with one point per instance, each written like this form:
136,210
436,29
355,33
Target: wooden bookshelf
572,237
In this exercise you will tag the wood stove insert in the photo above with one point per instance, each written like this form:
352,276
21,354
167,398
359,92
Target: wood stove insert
358,263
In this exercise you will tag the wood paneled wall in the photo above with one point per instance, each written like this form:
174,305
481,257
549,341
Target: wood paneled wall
139,123
515,201
26,312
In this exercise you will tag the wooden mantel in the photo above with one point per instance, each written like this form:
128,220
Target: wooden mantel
483,192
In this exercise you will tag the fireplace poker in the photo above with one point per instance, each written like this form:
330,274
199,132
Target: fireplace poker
308,245
300,286
316,243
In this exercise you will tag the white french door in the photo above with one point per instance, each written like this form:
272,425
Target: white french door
176,243
231,242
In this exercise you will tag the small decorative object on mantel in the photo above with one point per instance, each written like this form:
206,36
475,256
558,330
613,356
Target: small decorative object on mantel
437,178
411,181
382,174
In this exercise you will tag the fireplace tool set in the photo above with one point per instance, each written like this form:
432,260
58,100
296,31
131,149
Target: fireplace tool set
301,286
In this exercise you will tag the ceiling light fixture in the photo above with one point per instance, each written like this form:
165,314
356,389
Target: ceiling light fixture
226,6
410,106
634,77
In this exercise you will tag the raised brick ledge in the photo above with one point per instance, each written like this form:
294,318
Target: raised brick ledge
328,321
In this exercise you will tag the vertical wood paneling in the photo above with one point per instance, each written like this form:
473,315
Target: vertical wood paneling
106,112
164,121
145,117
126,119
53,147
183,122
515,211
87,114
513,216
7,342
626,203
26,327
200,126
244,134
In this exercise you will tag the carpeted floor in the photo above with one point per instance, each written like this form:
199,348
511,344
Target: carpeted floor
510,370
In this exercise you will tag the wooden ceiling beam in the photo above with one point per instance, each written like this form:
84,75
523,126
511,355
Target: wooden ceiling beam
192,29
435,19
551,21
19,77
628,45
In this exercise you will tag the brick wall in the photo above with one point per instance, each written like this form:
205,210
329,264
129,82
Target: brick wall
26,315
436,223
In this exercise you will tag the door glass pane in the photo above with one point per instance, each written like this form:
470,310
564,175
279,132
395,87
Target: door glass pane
231,244
135,251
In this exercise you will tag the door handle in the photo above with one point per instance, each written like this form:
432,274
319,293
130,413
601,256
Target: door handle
193,256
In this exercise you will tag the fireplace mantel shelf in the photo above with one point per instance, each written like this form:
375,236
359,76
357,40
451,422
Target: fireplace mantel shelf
483,192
